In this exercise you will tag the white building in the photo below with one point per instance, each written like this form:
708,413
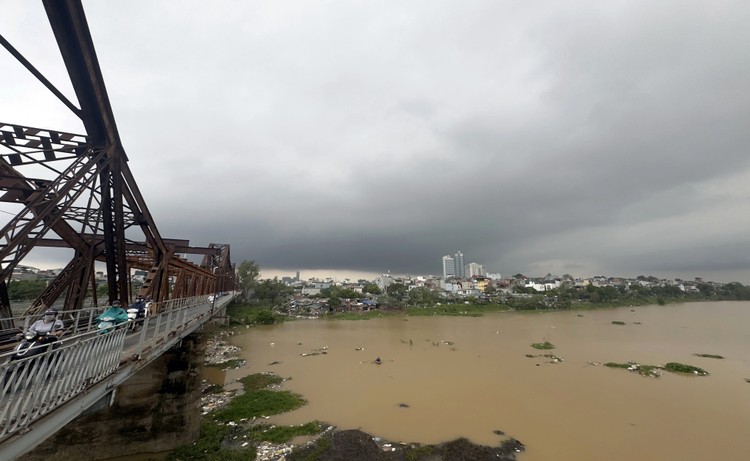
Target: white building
473,269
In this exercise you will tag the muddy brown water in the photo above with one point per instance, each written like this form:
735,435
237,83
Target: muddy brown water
467,377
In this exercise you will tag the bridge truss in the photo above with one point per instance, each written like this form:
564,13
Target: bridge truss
76,191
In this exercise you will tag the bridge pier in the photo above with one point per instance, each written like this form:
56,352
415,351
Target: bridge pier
156,410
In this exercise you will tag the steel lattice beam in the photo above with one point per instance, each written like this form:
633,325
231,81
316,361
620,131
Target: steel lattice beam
90,198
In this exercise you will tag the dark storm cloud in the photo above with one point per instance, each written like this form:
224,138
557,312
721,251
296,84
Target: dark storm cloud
579,137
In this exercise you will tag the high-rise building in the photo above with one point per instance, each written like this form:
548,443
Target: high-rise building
460,270
449,266
473,269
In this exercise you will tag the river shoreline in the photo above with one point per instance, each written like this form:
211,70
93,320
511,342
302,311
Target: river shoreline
333,443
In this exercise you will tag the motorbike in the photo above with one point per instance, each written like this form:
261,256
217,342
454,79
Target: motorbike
34,343
106,324
136,314
111,319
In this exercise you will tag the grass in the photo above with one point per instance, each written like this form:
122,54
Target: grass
218,440
457,310
421,452
543,346
231,363
312,453
210,446
676,367
710,356
259,401
282,434
260,381
366,315
653,370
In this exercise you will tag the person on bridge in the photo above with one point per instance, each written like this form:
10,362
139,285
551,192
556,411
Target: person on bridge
116,311
48,324
140,304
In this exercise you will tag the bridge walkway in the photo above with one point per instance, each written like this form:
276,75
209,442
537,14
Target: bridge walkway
41,394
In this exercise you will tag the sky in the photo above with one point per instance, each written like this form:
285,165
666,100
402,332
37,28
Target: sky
361,137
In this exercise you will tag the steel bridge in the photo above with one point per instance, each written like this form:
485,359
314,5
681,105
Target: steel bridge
41,394
75,191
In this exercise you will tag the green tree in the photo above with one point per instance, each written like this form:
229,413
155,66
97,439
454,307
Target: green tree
265,317
706,289
248,273
339,292
26,289
372,288
272,290
397,290
422,296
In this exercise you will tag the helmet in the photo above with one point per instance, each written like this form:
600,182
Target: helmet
116,302
51,312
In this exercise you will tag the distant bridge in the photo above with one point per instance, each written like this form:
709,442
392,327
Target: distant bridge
76,191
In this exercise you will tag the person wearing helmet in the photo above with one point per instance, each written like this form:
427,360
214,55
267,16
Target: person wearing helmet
48,324
116,311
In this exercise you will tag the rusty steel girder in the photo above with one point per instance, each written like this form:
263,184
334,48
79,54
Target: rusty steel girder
88,198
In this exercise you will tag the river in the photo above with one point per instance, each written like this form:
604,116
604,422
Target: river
470,376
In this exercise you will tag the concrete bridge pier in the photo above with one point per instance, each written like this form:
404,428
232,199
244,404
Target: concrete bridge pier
155,410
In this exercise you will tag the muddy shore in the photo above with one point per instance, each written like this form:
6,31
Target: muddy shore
335,444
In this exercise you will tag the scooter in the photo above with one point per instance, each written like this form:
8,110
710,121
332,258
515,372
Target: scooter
136,314
34,343
106,324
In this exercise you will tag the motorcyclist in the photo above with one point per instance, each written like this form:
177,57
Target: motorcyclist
48,324
115,311
140,304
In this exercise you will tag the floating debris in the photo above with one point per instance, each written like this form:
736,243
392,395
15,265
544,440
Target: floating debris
710,356
552,357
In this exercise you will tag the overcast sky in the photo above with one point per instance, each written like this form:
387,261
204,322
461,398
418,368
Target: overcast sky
580,137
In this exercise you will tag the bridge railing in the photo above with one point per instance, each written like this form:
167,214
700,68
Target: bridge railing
80,320
170,317
34,386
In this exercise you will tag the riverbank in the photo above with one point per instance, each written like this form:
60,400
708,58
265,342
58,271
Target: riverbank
245,435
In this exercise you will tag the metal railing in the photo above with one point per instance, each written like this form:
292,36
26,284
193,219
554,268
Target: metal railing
35,386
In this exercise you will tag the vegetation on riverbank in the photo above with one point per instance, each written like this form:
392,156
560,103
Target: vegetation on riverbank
654,371
232,363
222,429
546,345
261,312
